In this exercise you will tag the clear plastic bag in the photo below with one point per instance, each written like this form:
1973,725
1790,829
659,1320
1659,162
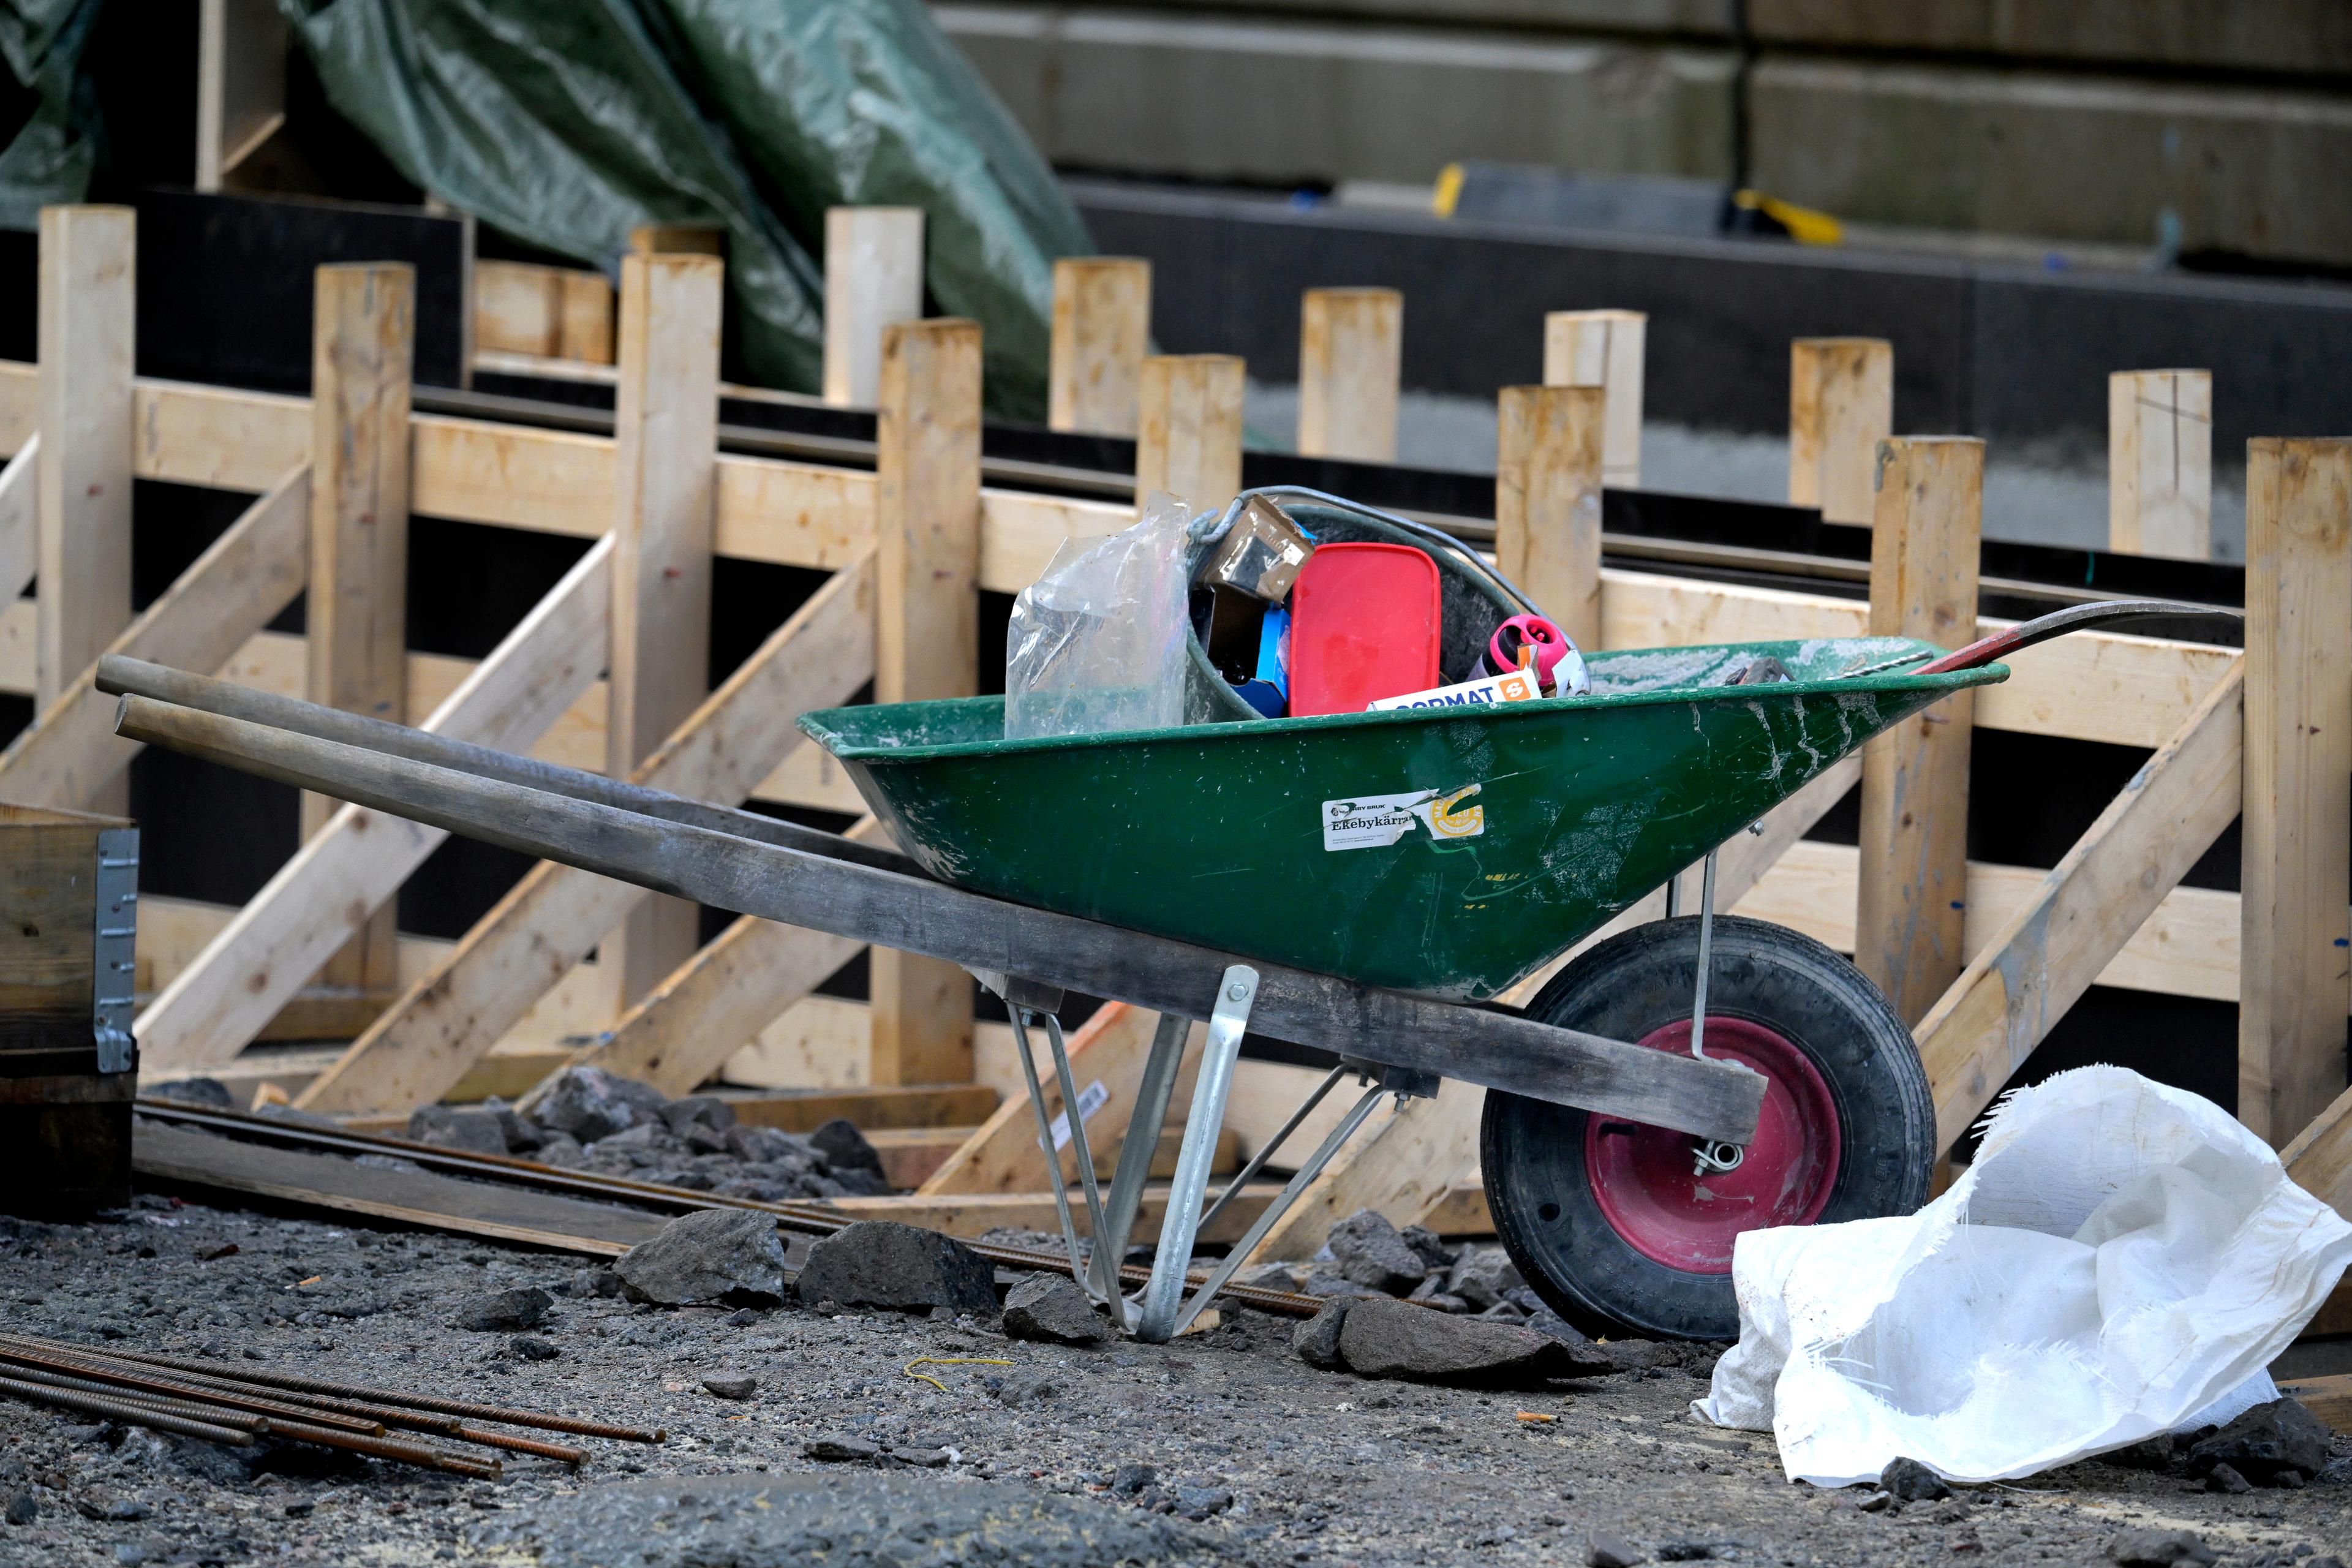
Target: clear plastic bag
1099,642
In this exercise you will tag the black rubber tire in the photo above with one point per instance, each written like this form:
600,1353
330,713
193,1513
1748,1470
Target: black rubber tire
1533,1152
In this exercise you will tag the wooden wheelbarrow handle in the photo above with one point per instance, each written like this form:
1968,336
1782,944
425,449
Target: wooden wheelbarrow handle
2106,612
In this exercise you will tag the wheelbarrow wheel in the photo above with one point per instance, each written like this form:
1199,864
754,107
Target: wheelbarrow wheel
1614,1223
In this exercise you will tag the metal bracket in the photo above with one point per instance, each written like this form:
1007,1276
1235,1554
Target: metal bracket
1237,991
1075,1116
115,949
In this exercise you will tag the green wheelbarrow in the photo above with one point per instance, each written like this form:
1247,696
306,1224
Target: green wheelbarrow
1364,884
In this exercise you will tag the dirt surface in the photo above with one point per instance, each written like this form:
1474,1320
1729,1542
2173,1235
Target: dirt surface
1276,1462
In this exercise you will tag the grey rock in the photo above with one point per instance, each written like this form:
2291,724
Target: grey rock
1317,1340
1398,1339
2150,1453
221,1466
1481,1275
770,1145
523,1135
710,1255
295,1118
707,1111
590,1104
1370,1253
1428,1247
1052,1309
1877,1502
1129,1479
503,1311
834,1518
1200,1502
845,1148
206,1091
923,1459
1331,1288
1023,1387
881,1263
2158,1549
1604,1549
2266,1443
448,1127
523,1347
21,1509
1272,1277
2225,1478
123,1511
593,1284
731,1387
841,1449
560,1149
1911,1481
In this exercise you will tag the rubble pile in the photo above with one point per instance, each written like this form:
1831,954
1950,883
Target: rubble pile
590,1120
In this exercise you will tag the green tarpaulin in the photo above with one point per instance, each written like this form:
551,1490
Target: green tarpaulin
568,122
50,157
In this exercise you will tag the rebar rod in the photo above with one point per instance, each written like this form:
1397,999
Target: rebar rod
125,1410
459,1407
93,1366
216,1415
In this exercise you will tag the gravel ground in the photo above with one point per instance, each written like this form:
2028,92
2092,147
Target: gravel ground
1276,1462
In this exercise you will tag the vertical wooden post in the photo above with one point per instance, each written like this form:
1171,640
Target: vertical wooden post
1547,469
926,637
873,277
1915,776
1604,349
1187,435
1840,406
1350,360
363,343
666,431
2160,462
2297,834
1102,331
89,322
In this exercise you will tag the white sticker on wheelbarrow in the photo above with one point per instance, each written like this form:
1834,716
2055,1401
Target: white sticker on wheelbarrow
1376,821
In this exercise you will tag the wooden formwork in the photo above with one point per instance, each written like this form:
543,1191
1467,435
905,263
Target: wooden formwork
599,675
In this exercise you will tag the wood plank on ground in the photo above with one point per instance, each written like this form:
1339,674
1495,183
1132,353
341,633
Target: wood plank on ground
526,1217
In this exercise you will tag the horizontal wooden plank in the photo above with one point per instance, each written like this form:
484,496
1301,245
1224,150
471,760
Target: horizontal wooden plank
1461,1211
233,440
2188,948
974,1214
506,1072
548,481
2329,1398
911,1155
2093,686
921,1105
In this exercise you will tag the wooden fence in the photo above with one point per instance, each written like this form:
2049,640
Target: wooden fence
607,672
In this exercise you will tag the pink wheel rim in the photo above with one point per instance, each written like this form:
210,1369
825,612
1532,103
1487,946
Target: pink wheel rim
1644,1177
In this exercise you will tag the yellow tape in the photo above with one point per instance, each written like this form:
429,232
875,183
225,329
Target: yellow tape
946,1360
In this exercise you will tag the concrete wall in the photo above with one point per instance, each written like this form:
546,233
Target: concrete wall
2070,119
2008,353
1296,101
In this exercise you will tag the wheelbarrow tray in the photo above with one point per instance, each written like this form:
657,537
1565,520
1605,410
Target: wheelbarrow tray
1448,852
